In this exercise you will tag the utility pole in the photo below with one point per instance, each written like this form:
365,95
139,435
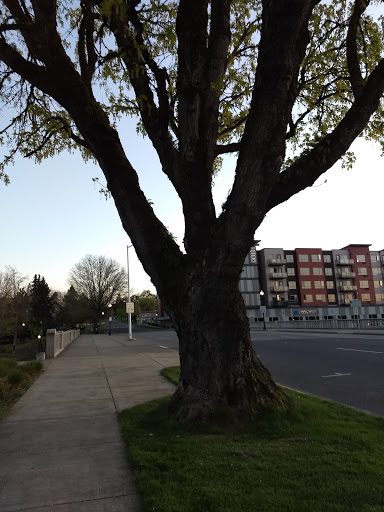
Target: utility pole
129,298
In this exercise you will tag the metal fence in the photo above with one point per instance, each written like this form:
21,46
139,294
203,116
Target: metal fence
375,323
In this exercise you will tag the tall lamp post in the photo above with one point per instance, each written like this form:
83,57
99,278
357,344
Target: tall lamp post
109,318
264,326
129,297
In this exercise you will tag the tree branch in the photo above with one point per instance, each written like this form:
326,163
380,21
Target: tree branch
227,148
136,57
310,166
356,79
283,41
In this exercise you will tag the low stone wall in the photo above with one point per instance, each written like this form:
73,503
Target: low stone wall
58,340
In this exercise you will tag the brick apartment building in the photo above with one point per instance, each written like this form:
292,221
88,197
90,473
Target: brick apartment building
322,282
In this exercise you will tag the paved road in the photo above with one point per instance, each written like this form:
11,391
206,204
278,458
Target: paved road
347,368
342,367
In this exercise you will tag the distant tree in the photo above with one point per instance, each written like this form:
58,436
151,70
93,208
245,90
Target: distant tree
100,280
14,302
144,301
75,309
41,303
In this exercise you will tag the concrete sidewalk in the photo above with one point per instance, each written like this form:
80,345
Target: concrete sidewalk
60,448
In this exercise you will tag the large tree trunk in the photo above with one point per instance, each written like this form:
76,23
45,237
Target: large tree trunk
220,372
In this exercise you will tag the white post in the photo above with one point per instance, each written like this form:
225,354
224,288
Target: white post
129,297
50,344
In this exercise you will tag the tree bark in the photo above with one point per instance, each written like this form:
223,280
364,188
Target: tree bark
221,376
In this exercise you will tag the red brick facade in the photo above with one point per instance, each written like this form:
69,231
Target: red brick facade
312,282
359,267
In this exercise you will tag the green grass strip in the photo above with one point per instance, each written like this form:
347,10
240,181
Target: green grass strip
319,457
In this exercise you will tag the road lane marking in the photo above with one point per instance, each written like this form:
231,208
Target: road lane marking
359,350
162,346
337,375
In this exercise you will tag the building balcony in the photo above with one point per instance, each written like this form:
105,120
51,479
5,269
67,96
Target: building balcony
347,287
279,289
279,303
345,261
346,275
277,275
276,261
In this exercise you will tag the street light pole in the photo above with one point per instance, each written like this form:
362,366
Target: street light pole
109,318
129,297
264,326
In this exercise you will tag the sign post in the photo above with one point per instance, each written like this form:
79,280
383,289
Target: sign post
263,309
356,304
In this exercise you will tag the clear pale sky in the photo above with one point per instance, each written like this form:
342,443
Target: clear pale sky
52,214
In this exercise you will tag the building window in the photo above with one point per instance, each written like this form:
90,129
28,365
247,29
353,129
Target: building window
327,258
320,298
365,297
304,271
308,298
330,285
373,315
376,271
378,284
331,297
363,284
303,258
293,299
317,271
360,258
316,258
374,257
319,284
328,272
379,297
289,258
328,317
292,285
362,271
306,284
291,271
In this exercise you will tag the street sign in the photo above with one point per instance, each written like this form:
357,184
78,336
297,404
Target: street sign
263,309
130,307
355,303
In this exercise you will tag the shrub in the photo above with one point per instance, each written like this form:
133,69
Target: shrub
15,377
32,367
6,365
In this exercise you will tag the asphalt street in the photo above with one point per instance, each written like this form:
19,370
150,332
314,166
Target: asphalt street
346,368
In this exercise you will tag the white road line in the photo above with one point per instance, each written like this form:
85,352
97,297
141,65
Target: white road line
358,350
337,375
162,346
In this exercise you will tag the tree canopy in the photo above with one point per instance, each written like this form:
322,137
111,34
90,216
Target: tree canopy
286,85
99,279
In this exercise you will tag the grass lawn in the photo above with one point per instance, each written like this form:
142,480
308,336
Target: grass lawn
15,380
317,457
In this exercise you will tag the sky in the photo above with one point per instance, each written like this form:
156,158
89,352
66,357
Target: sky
53,215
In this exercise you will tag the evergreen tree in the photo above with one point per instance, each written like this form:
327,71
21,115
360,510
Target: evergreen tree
41,303
76,309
